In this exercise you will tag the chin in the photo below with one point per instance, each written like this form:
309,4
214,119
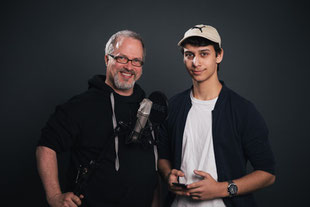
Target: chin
200,80
124,85
121,84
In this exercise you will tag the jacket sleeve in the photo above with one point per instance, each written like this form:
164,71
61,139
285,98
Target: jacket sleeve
60,131
164,142
256,146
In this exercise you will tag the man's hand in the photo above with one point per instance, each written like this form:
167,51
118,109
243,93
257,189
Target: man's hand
173,178
207,188
65,200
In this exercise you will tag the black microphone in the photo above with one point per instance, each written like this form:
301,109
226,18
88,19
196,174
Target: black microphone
159,112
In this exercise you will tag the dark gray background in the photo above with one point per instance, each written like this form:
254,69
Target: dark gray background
50,49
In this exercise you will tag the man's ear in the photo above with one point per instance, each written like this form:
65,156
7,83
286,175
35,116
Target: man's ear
106,59
219,56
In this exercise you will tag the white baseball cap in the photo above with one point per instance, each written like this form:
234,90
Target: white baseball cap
205,31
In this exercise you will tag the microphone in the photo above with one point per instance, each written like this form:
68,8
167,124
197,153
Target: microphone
155,109
142,117
159,112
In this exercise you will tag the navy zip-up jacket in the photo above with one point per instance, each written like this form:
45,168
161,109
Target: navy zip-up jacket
239,135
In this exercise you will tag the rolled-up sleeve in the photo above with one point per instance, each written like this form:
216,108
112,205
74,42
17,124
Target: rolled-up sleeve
256,143
164,142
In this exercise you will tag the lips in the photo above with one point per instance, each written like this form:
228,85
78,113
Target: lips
127,73
197,72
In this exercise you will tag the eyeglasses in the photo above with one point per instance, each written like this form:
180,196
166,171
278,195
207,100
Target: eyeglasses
124,60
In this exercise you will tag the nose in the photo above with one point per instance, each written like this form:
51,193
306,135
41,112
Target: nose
129,65
196,61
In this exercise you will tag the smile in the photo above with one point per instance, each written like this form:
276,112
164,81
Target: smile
197,72
127,74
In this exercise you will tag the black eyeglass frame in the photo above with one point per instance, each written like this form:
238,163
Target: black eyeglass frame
127,60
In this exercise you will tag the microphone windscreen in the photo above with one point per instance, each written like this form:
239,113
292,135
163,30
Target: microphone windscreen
159,111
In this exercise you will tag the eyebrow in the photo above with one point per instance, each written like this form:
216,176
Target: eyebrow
121,54
203,50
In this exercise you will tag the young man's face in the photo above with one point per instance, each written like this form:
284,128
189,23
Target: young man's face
201,62
122,77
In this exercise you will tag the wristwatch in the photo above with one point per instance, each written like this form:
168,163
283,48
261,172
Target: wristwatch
232,188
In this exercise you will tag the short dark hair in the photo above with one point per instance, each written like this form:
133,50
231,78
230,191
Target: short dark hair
200,41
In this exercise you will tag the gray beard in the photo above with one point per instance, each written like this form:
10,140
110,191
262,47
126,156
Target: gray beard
122,86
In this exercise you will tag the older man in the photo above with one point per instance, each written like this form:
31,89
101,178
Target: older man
124,173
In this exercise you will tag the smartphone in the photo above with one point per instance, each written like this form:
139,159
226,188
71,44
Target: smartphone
180,185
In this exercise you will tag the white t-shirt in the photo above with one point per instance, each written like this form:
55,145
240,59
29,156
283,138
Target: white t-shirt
197,150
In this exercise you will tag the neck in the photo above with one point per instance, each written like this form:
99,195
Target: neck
207,90
128,92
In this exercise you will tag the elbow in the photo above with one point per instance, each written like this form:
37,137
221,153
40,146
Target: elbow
272,179
267,178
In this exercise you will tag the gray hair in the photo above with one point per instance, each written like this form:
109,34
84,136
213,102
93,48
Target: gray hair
110,46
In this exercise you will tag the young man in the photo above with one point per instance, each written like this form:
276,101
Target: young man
126,174
211,133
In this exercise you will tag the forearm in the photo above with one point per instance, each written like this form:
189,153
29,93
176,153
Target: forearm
254,181
157,195
48,170
208,188
251,182
164,168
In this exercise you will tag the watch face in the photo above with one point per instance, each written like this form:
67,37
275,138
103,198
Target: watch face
232,189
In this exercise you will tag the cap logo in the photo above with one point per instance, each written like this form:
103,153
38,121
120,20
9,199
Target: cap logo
200,28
